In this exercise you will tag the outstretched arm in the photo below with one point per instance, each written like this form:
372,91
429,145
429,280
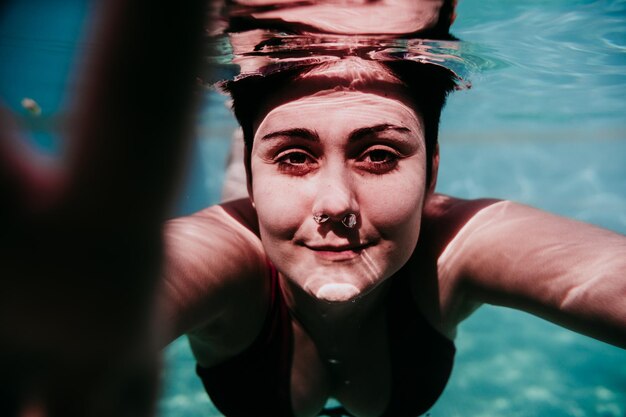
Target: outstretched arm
215,285
568,272
80,244
215,266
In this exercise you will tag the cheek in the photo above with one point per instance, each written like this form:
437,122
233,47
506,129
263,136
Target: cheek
399,193
395,207
280,206
397,217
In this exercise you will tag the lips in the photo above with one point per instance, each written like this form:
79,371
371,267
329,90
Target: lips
338,252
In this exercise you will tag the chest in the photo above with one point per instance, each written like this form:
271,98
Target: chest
398,365
355,372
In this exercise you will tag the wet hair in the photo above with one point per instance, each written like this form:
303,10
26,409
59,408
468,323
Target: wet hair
426,85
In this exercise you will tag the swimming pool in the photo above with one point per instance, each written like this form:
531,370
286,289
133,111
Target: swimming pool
545,126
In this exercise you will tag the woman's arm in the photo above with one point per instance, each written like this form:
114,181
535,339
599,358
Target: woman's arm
80,241
213,278
568,272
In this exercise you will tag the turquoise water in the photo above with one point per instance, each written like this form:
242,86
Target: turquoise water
546,126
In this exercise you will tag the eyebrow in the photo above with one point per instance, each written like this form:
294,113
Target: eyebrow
356,135
298,132
371,130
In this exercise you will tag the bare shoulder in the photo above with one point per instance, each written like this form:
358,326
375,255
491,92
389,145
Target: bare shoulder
444,216
222,237
441,295
215,277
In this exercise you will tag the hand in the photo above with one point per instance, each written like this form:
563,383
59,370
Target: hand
80,239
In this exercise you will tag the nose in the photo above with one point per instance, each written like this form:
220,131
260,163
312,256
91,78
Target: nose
335,197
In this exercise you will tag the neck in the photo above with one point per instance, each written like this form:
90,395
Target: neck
334,326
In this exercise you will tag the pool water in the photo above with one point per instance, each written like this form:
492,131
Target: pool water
545,126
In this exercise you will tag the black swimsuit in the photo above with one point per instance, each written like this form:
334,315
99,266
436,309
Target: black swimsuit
257,381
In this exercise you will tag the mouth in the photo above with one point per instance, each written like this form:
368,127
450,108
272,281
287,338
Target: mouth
338,252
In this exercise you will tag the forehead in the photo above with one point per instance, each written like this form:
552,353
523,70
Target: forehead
336,111
350,74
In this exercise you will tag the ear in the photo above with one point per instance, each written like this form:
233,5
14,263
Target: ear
246,163
434,169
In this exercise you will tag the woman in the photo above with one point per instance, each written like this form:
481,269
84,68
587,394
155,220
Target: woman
344,274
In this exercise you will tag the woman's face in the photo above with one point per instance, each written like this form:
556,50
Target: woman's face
336,153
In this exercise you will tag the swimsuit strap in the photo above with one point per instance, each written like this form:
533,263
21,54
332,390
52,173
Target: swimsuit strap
257,381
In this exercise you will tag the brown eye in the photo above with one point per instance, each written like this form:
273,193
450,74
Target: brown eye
295,162
378,161
379,155
295,158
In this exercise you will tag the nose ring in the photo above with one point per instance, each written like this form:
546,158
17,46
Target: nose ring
348,221
321,218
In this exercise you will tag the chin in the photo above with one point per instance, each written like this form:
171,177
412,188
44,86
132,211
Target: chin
337,292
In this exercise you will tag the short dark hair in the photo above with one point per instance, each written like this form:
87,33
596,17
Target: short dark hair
427,86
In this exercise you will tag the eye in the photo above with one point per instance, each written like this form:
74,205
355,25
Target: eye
378,160
379,156
295,158
295,162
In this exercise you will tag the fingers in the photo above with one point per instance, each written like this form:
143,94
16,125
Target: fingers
70,288
133,120
28,182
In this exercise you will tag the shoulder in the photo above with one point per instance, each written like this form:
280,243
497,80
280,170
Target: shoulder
226,231
215,273
236,216
444,216
439,292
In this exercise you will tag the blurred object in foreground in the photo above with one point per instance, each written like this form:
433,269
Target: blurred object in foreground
80,240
